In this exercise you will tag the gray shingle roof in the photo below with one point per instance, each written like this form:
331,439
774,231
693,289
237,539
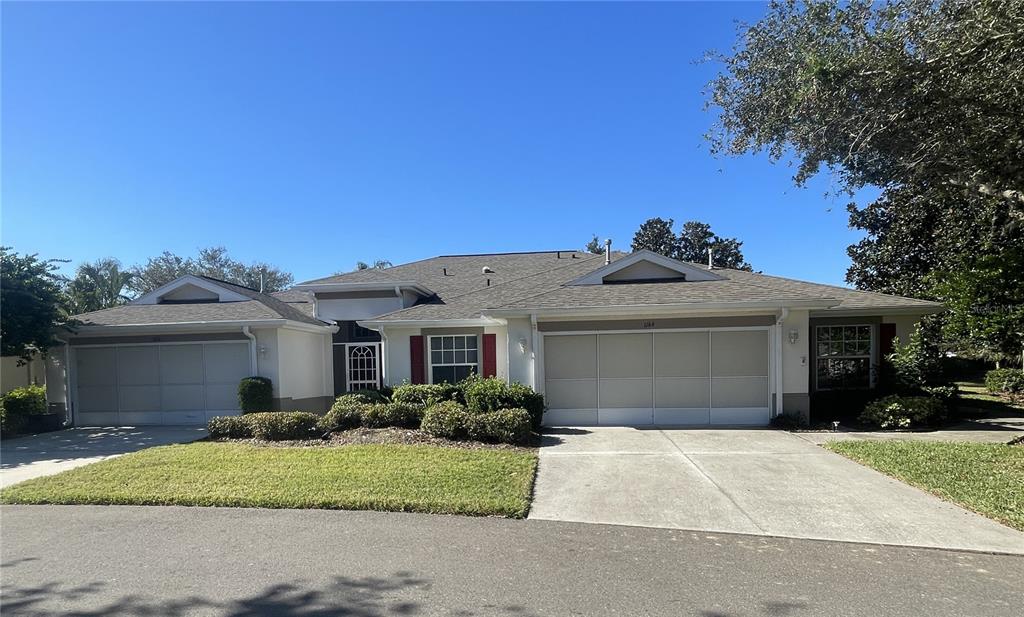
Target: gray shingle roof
260,306
542,284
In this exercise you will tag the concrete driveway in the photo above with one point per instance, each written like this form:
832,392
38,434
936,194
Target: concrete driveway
745,481
45,454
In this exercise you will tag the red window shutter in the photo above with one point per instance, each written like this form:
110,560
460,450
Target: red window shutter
886,332
490,355
417,361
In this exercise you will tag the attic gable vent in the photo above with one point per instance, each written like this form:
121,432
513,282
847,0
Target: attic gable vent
646,267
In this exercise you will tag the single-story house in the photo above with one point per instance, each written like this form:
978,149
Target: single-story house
617,339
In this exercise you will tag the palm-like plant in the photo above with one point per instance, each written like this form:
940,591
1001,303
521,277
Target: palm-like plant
98,285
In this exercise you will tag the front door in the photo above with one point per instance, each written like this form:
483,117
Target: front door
362,366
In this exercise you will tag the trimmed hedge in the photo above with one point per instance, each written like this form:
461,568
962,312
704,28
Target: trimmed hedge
447,419
267,425
345,413
18,404
426,395
1005,381
896,411
255,394
503,426
383,415
492,394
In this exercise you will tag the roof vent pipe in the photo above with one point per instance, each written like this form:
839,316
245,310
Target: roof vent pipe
608,251
487,270
711,258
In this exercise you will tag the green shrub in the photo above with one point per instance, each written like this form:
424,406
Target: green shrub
382,415
367,397
255,394
1005,381
896,411
503,426
230,427
281,425
492,394
425,395
448,419
25,401
346,413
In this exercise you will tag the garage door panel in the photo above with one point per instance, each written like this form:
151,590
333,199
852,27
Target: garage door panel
628,416
682,392
98,418
183,397
570,357
571,394
739,353
570,417
681,354
139,418
97,398
223,397
739,392
138,366
187,417
97,366
227,363
682,416
625,355
740,416
181,364
626,393
138,398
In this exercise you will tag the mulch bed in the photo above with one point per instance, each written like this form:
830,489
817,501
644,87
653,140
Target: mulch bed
404,436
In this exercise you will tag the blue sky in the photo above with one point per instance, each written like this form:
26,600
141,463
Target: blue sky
314,135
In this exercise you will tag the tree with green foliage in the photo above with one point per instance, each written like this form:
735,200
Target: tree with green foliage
920,98
213,262
379,264
657,235
31,311
696,239
98,285
595,246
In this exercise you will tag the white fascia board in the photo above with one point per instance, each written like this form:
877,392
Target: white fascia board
878,311
194,326
225,294
369,286
659,309
596,277
375,324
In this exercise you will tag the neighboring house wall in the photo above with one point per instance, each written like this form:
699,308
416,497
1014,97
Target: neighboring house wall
905,326
397,366
13,376
795,359
347,306
520,363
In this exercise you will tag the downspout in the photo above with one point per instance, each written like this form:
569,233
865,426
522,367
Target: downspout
779,326
69,414
383,356
533,332
253,365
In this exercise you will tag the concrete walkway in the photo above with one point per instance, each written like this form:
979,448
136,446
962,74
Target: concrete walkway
32,456
745,481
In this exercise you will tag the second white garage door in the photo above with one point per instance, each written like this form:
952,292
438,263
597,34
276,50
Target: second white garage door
158,384
710,377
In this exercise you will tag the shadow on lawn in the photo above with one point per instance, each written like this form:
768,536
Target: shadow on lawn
352,597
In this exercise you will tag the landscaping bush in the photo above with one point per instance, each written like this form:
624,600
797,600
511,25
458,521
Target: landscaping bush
896,411
492,394
1005,381
367,397
344,414
282,425
229,427
382,415
255,394
448,419
25,401
503,426
426,395
845,406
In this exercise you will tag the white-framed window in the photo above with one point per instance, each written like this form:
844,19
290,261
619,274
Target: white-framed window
843,356
453,357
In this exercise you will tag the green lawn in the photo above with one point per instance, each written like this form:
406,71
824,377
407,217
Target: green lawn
986,478
974,394
407,478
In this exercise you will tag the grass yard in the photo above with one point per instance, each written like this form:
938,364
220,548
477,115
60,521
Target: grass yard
985,478
359,477
974,394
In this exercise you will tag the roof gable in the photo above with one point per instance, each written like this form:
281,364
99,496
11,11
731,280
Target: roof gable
645,266
191,288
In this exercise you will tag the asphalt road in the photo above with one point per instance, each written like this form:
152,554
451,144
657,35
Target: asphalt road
86,560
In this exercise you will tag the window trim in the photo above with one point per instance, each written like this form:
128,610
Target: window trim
870,355
430,357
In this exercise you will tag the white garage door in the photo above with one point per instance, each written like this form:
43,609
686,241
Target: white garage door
709,377
158,384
